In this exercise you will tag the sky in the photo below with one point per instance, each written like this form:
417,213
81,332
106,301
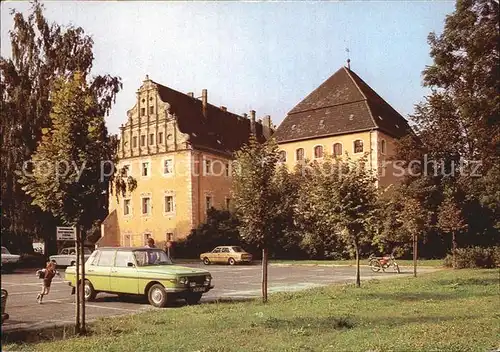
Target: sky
263,56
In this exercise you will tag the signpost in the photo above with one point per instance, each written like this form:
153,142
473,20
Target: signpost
66,233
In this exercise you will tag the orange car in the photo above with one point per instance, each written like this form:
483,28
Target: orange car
226,254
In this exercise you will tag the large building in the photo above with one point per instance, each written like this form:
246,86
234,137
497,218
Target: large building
343,116
178,148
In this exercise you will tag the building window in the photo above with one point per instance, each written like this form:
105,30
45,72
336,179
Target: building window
299,154
126,171
337,149
134,141
151,109
169,204
126,207
168,167
208,166
143,111
228,170
208,202
318,152
143,140
228,203
169,236
282,156
160,138
382,146
145,169
151,138
146,205
358,146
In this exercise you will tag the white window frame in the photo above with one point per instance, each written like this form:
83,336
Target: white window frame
333,149
168,174
149,168
383,146
322,151
165,195
286,156
207,162
354,147
207,195
127,166
146,196
295,154
130,207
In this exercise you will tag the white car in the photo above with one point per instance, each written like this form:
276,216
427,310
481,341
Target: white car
67,256
9,261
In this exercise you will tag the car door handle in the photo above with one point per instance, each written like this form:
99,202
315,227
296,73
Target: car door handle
90,270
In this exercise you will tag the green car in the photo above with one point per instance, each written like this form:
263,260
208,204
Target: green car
141,271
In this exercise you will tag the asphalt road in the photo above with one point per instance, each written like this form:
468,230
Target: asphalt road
238,282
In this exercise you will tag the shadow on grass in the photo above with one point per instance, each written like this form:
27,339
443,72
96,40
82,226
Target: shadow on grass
324,323
469,282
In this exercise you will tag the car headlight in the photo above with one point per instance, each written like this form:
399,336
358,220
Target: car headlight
183,280
208,278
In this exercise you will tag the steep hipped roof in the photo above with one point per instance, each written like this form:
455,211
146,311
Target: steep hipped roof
344,103
220,130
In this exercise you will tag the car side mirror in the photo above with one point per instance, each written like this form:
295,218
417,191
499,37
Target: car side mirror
129,264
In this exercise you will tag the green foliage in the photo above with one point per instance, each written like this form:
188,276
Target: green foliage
41,53
258,185
474,257
67,177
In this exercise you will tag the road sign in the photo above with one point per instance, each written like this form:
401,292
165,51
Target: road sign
66,233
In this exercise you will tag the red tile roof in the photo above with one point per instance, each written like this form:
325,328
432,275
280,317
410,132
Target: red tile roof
221,130
344,103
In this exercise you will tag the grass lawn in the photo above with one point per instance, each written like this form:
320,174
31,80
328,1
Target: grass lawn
442,311
425,262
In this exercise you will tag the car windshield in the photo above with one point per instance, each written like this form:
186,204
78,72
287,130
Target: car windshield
5,251
152,256
237,249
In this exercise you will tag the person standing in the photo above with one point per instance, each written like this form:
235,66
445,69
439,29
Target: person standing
150,243
47,274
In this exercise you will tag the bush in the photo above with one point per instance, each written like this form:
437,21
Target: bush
474,257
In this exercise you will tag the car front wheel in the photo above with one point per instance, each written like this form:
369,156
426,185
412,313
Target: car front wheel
157,296
89,291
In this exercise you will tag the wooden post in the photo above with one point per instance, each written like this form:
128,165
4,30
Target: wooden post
83,329
264,275
77,286
415,255
358,276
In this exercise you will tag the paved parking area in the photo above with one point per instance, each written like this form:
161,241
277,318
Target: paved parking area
238,282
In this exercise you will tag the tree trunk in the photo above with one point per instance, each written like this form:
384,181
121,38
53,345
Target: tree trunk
264,275
83,329
358,277
415,255
77,286
454,249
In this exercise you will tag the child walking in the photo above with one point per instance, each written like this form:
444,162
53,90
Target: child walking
47,275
